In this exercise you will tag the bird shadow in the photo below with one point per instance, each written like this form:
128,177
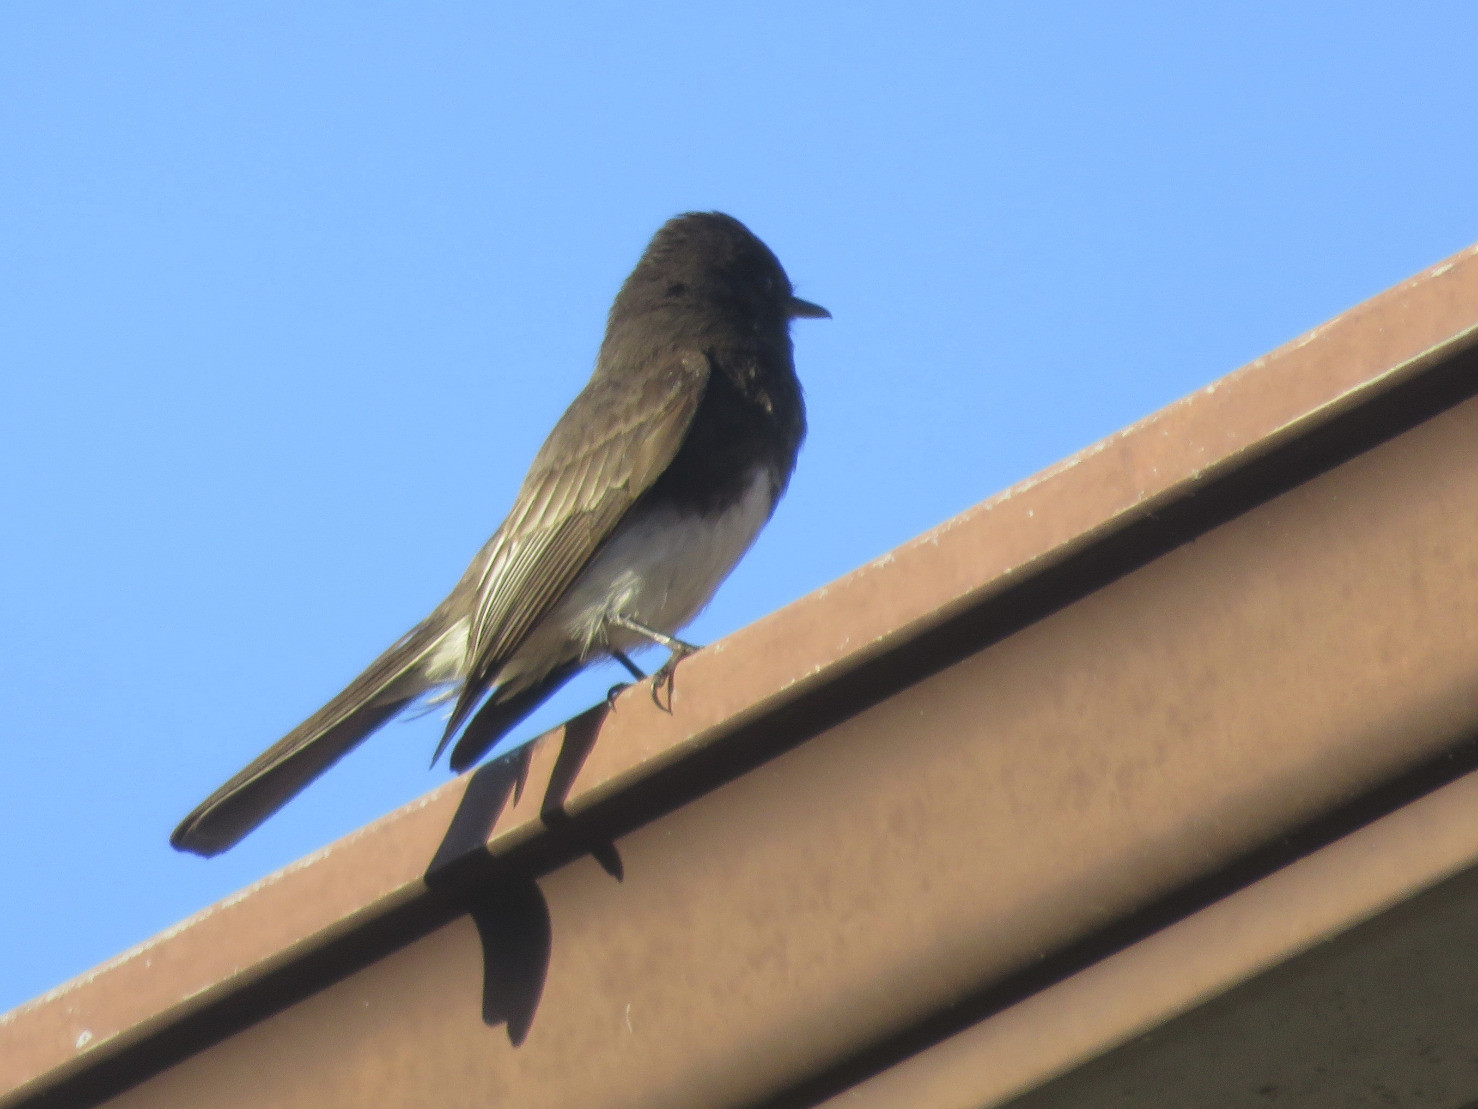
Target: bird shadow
509,910
575,746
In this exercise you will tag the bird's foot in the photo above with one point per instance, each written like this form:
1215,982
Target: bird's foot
632,668
666,675
663,678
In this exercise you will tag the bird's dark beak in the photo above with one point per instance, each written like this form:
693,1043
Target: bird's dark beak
807,310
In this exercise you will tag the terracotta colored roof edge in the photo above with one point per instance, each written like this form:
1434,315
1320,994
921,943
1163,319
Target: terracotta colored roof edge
524,808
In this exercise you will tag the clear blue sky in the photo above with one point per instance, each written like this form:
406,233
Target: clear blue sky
291,293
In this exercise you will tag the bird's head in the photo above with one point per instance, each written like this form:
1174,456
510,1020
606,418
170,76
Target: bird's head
709,260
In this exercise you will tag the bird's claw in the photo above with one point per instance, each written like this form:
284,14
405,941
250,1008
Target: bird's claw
614,692
665,677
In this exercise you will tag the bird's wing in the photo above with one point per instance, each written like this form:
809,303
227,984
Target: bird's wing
574,496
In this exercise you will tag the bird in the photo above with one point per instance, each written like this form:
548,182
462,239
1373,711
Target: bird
648,491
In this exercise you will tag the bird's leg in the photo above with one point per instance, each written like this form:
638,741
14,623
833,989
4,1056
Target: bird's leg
632,668
680,649
671,642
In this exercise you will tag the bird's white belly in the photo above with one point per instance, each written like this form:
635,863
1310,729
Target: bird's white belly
660,571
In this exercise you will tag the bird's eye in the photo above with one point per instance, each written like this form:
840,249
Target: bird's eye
676,289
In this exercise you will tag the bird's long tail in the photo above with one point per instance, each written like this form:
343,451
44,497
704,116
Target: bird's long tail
391,682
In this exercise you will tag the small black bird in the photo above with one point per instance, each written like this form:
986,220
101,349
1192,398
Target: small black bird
645,495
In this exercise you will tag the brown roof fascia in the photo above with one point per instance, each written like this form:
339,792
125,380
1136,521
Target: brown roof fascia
1348,385
1199,957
